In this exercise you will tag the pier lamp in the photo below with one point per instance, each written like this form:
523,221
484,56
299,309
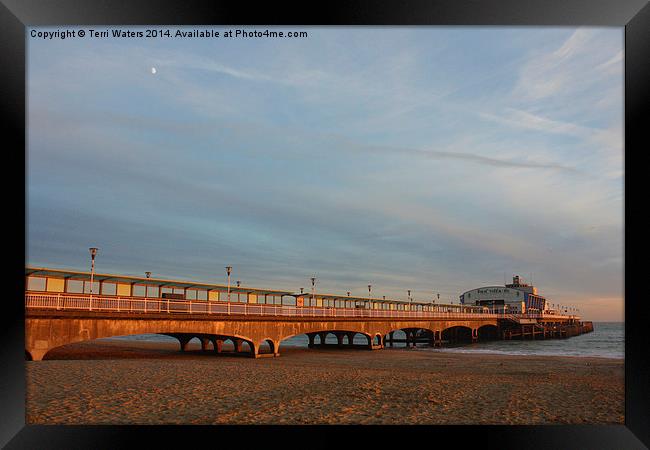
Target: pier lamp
302,290
313,290
147,274
409,292
238,293
228,270
369,289
348,293
93,253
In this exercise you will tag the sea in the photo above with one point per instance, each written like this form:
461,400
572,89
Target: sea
606,341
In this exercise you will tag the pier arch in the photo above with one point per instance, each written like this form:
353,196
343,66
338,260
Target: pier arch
458,334
268,347
487,333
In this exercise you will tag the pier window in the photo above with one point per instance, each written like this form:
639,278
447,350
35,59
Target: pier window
196,294
75,286
166,290
95,286
213,296
123,289
109,289
153,291
139,290
55,285
35,283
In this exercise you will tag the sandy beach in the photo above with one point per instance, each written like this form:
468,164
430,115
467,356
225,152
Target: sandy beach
118,382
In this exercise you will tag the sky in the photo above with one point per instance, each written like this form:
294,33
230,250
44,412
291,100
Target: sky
435,159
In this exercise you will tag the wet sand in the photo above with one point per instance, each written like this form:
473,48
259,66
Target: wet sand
118,382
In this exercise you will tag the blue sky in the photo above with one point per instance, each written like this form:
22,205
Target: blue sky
434,159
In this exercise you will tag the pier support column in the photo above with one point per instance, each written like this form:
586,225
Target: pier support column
37,354
351,339
312,338
322,336
390,338
255,350
410,338
204,344
238,345
184,340
339,338
218,345
474,334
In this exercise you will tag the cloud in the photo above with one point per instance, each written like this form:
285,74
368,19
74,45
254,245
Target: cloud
490,161
585,59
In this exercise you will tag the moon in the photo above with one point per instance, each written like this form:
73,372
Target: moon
153,70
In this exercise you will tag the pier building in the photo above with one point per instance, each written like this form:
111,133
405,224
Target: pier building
517,297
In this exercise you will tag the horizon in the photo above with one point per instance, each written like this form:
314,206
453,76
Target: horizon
436,159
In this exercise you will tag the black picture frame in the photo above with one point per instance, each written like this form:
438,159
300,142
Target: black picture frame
634,15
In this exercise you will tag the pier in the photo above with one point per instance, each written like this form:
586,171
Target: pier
62,309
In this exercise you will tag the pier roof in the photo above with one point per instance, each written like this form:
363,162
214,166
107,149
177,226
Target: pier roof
184,284
160,282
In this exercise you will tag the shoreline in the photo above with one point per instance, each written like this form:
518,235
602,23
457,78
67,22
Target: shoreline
169,345
122,382
500,353
126,348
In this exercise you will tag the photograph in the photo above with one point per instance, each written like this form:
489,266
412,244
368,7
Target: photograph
324,225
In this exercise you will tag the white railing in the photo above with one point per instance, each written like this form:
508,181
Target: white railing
85,302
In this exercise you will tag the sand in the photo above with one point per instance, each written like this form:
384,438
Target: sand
117,382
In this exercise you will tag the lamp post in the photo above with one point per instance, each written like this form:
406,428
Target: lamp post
228,270
147,274
238,293
93,253
369,290
313,290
